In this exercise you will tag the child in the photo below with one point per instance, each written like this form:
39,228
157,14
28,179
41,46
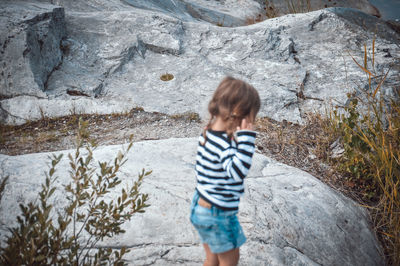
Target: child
223,160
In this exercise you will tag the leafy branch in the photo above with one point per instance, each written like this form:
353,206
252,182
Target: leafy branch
70,236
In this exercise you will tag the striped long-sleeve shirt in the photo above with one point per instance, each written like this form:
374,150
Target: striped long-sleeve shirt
221,166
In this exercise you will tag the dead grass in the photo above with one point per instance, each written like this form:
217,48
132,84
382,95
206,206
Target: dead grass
49,135
255,19
306,147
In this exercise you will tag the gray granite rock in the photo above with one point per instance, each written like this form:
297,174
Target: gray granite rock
289,217
30,38
228,12
299,63
301,6
21,109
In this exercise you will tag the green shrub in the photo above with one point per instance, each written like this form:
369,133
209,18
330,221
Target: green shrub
370,135
45,236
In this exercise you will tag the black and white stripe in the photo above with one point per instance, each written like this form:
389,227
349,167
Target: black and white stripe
221,166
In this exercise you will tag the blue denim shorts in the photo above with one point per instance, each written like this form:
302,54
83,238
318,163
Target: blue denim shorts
219,229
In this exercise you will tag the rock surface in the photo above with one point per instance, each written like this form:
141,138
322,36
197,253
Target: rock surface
116,52
227,12
30,36
296,6
289,217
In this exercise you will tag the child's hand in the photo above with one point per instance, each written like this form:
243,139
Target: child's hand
245,125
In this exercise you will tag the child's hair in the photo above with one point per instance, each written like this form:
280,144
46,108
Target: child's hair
233,100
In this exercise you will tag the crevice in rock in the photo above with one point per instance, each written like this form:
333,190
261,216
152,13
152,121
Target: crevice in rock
39,18
165,253
73,92
126,246
301,97
26,52
125,56
203,36
20,29
291,103
290,245
128,54
305,255
274,39
98,91
149,244
161,50
6,97
276,175
293,52
4,114
260,240
316,21
300,89
340,228
141,48
183,261
7,41
44,35
45,83
178,260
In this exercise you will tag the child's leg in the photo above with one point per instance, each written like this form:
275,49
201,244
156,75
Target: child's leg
229,258
211,258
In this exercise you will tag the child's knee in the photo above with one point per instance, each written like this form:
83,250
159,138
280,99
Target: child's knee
229,258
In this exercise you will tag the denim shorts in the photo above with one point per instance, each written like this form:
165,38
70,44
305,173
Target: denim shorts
219,229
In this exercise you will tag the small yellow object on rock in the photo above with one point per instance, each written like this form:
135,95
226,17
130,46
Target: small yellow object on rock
166,77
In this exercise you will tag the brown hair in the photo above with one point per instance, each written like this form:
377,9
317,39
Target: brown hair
233,100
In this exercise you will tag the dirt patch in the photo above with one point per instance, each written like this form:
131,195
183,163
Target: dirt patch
49,135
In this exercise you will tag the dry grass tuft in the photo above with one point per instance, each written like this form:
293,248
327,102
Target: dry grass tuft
255,19
59,133
306,147
370,136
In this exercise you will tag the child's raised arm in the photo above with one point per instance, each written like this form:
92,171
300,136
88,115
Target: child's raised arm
237,161
245,125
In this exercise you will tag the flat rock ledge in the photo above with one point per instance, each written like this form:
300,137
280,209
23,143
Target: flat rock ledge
289,217
55,61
